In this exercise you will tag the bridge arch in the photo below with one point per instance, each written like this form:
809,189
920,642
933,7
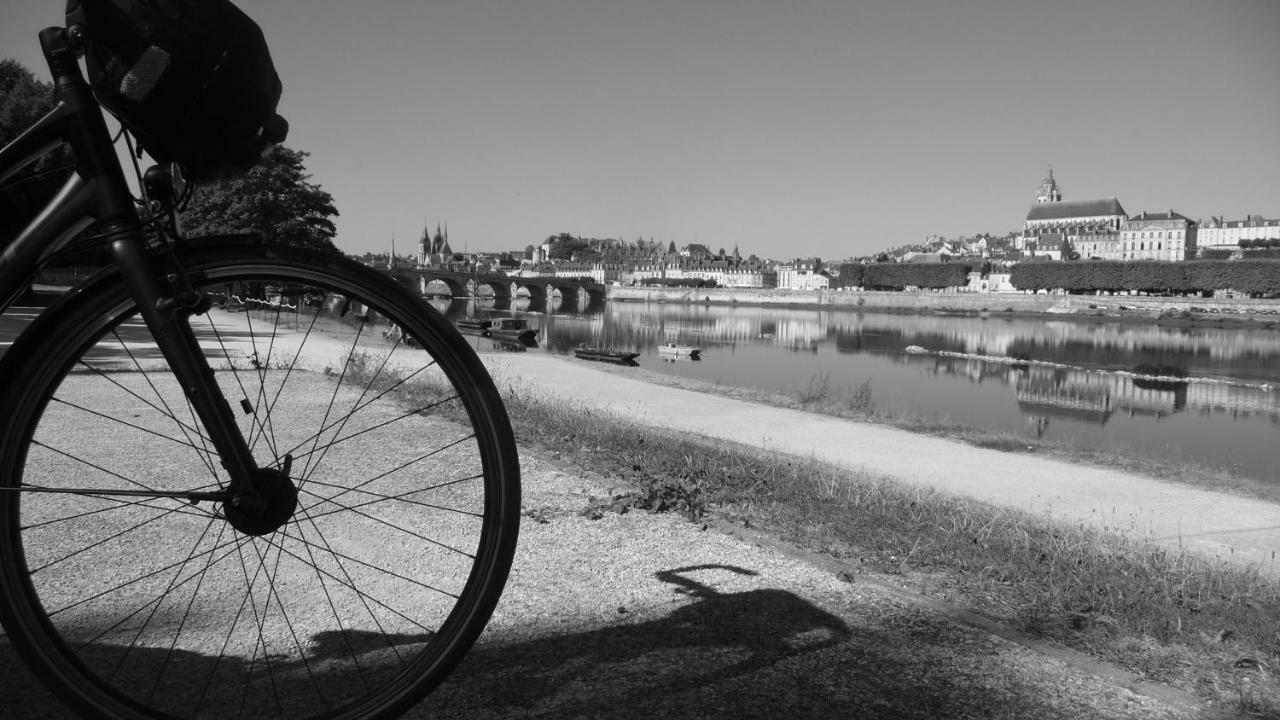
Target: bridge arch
501,289
456,288
537,291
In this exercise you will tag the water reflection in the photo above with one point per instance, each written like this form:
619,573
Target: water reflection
1080,381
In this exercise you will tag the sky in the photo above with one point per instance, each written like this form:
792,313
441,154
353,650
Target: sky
796,129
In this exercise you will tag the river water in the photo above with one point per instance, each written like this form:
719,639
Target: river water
1218,403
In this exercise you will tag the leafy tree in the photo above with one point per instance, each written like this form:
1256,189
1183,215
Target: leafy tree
273,199
24,99
1068,250
564,246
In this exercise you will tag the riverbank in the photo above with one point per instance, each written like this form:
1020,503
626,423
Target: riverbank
1155,577
1214,311
1233,529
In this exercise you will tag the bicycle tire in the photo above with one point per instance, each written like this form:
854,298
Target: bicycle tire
393,433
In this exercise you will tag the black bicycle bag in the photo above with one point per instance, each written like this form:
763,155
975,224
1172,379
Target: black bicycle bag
192,80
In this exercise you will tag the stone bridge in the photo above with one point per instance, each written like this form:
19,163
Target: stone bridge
581,293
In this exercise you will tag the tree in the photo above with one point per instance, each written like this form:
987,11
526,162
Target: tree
24,99
273,199
1068,250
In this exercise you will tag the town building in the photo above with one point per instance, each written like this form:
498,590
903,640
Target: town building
434,251
1052,220
1217,233
802,275
1158,236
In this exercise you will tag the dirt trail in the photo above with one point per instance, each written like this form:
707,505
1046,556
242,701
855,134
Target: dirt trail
642,615
1234,529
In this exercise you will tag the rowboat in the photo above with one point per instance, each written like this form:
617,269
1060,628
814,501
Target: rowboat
679,350
473,326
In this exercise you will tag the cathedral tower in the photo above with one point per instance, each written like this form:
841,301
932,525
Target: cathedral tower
1049,191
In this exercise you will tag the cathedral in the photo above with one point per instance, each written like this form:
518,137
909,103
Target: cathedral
1091,223
434,251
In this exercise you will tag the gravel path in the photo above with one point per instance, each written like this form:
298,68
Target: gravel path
1231,528
641,615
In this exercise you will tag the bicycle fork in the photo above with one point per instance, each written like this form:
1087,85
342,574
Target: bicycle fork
257,500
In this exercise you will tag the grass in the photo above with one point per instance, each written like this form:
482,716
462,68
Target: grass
1178,618
819,395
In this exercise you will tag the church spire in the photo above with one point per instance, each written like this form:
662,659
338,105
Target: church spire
1049,190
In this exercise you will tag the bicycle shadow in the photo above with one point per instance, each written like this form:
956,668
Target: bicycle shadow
756,653
719,638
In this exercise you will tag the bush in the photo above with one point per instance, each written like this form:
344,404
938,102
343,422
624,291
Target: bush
1255,277
896,276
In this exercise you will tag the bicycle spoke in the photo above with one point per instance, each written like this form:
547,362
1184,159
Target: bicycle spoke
135,426
204,455
403,497
333,399
403,416
350,575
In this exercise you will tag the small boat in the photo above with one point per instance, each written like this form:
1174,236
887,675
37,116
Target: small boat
516,329
679,350
473,326
915,350
621,357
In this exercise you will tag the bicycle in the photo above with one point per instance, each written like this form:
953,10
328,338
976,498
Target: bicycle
223,491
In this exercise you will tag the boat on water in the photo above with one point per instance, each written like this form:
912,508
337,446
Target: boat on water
513,329
473,326
621,357
679,350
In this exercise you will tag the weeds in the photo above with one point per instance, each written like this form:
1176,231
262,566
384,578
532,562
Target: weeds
1174,617
818,396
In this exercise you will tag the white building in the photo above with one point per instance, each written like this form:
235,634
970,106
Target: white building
795,277
1158,236
1219,234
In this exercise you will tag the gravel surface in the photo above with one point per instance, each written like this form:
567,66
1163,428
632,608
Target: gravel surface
642,615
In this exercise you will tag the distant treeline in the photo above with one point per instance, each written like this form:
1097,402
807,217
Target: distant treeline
1254,277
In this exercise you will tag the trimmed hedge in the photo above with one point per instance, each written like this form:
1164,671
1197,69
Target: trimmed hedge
1254,277
851,275
680,282
896,276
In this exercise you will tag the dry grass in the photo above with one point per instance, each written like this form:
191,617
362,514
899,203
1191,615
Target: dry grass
1177,618
1208,627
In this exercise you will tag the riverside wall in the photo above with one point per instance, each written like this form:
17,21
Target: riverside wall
1136,306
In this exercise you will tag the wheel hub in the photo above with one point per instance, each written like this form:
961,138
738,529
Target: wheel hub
276,500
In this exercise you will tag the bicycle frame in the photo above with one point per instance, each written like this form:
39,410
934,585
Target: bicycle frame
97,192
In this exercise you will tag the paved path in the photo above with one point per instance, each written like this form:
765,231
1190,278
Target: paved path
1234,529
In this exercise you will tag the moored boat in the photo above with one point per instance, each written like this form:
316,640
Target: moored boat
622,357
473,326
679,350
516,329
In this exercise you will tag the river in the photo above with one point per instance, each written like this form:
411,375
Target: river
1217,402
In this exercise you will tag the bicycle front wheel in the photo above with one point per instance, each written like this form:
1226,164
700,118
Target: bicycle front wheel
132,593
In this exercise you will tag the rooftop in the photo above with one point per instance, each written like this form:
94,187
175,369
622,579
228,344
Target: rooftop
1066,209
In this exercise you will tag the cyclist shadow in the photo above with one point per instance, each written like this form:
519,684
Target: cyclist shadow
721,638
717,638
